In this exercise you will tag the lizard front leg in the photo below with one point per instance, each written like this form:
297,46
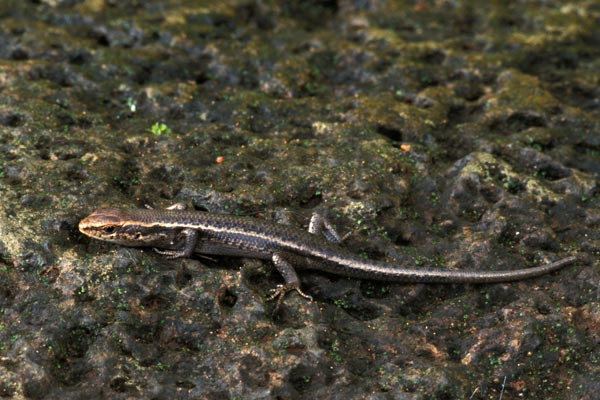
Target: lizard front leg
190,239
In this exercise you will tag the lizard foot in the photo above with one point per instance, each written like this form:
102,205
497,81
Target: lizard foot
170,254
281,290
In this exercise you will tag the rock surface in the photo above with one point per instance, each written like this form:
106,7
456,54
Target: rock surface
460,135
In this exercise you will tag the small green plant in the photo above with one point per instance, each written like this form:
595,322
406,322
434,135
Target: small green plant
160,128
131,104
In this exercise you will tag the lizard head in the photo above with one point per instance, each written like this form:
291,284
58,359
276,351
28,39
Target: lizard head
112,225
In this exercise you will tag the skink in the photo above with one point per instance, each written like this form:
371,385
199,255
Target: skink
180,233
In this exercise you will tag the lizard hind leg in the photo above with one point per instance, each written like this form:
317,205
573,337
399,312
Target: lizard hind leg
320,225
292,282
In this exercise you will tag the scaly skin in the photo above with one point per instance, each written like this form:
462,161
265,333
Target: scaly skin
180,233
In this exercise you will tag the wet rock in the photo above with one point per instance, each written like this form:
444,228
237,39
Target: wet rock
439,135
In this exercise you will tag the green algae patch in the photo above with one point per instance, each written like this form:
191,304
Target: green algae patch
521,96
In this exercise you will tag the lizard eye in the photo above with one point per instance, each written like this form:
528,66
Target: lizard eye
108,229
